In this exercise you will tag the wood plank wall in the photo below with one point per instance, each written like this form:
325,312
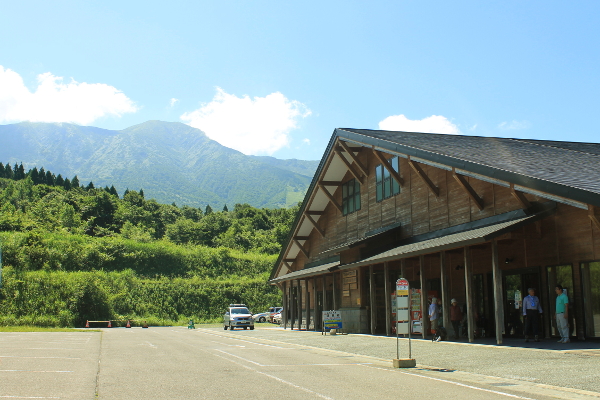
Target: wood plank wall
415,207
567,237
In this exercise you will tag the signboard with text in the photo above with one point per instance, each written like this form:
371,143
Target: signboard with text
402,307
332,319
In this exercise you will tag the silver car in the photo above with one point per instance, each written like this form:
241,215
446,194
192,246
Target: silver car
238,316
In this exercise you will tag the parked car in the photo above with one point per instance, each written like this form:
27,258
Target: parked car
238,316
273,311
261,317
277,318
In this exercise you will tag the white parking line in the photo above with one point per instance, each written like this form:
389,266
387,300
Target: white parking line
277,379
30,370
453,383
290,365
27,397
60,358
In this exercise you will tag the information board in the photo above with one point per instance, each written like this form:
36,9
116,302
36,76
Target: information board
402,307
332,319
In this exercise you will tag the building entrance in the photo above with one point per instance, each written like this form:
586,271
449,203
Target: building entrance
516,284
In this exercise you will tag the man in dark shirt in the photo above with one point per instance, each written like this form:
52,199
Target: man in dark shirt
531,310
456,316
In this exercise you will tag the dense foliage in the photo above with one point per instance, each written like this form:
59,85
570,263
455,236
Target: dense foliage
73,253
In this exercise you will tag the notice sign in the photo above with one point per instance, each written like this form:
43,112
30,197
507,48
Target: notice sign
401,287
332,320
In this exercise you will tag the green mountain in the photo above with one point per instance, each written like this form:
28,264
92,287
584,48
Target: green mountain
171,161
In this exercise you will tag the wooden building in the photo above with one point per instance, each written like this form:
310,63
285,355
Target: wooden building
473,218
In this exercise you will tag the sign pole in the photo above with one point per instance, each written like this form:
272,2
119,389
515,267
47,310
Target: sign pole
409,327
403,322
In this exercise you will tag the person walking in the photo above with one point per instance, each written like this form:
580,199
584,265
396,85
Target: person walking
562,314
433,315
532,310
456,316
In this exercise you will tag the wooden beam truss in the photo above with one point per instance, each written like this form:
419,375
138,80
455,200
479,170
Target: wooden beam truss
314,224
594,214
387,166
302,249
417,168
360,166
354,172
330,197
468,188
314,212
520,196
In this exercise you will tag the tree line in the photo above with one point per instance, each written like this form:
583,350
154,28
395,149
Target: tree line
52,233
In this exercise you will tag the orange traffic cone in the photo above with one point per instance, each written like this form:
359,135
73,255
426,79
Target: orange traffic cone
109,324
128,325
87,324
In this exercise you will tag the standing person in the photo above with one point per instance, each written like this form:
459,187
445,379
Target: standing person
456,316
433,315
562,314
531,310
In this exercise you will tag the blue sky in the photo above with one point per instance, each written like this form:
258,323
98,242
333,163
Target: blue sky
277,77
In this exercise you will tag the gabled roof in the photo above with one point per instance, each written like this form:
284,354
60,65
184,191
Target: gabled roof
563,171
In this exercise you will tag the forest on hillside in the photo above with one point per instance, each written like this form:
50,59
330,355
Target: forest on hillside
73,252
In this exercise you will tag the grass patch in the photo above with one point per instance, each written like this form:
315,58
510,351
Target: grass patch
42,329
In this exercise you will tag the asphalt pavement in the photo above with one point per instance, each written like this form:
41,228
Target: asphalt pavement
270,363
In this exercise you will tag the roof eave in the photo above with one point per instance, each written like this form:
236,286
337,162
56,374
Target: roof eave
496,173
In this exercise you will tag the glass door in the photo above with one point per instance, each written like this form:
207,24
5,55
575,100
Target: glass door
516,285
513,295
590,279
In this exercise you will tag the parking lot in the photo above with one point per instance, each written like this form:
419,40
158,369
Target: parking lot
177,363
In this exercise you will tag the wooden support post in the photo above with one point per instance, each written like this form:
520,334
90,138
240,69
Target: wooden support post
284,312
468,188
520,196
417,168
349,151
403,268
498,297
299,306
424,308
372,305
335,289
324,288
394,174
315,305
387,298
314,224
445,292
331,198
469,290
355,173
302,249
307,303
293,303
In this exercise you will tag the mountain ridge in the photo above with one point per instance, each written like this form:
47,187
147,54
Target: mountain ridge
171,161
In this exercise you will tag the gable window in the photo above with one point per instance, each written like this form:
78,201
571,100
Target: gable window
350,196
386,185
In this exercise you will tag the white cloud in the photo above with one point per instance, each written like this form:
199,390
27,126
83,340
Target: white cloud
258,125
55,101
514,125
173,101
433,124
306,141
